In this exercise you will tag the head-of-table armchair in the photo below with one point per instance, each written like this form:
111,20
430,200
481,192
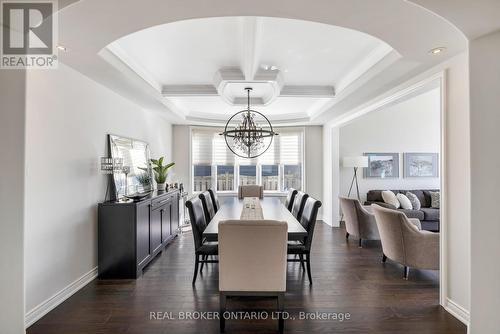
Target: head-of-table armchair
358,222
403,242
250,191
252,261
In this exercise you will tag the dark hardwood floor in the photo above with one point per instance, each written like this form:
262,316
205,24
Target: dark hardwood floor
346,279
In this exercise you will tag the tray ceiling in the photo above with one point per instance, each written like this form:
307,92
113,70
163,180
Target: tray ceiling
201,66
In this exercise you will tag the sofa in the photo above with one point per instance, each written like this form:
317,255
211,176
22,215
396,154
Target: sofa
429,217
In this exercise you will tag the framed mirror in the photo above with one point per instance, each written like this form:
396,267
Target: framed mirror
136,176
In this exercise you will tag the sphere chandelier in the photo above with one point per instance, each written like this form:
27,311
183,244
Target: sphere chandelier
252,136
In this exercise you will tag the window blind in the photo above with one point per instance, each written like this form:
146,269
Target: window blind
201,146
208,147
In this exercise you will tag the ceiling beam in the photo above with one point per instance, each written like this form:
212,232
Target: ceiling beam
189,90
308,91
286,91
251,35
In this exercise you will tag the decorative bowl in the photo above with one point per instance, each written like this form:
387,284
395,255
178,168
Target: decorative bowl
137,196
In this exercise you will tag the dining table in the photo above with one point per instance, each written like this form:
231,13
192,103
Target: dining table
252,208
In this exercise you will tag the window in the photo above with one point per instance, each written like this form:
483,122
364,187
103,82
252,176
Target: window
248,175
214,165
225,178
270,177
292,177
202,177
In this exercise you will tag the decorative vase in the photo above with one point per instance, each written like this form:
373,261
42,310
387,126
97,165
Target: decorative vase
161,186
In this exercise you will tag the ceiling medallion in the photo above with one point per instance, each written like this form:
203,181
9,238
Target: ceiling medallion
252,136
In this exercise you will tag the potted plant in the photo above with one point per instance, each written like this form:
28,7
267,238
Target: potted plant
160,171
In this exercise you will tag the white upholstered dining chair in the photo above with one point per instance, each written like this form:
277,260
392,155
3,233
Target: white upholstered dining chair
252,261
250,191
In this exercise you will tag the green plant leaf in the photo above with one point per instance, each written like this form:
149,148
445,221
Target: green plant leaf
160,171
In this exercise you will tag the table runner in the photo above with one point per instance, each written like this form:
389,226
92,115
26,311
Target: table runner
252,210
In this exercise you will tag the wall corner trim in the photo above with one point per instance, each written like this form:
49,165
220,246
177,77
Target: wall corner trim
457,311
51,303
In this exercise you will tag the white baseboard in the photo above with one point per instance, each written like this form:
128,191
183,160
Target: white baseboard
457,311
48,305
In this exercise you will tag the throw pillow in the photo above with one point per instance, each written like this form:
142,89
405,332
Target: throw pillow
434,199
415,202
390,198
404,201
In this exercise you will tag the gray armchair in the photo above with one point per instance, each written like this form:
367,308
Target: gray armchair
252,262
403,242
358,221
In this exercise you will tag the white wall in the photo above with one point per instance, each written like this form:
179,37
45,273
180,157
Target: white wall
12,192
68,117
313,156
457,171
330,175
181,152
485,181
313,146
410,126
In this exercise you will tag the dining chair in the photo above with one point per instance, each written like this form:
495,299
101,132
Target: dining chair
208,205
298,204
250,191
215,199
252,257
290,198
358,222
404,242
202,247
303,248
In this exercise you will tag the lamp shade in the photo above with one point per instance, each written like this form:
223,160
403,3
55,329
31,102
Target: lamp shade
361,161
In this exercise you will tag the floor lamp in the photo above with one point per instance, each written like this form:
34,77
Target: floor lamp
355,163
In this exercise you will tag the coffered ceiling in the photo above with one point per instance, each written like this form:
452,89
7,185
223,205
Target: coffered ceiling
188,61
201,67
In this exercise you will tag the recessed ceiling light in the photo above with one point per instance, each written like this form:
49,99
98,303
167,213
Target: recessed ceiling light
62,48
437,51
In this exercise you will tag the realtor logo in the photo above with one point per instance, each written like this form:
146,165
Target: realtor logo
28,34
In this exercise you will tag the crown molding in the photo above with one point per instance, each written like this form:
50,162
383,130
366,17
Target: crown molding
364,66
133,65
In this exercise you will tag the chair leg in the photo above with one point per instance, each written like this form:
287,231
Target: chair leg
360,243
302,261
347,236
406,272
196,262
222,310
384,258
308,264
281,309
203,258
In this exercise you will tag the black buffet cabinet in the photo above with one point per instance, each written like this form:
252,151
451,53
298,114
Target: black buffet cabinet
131,234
